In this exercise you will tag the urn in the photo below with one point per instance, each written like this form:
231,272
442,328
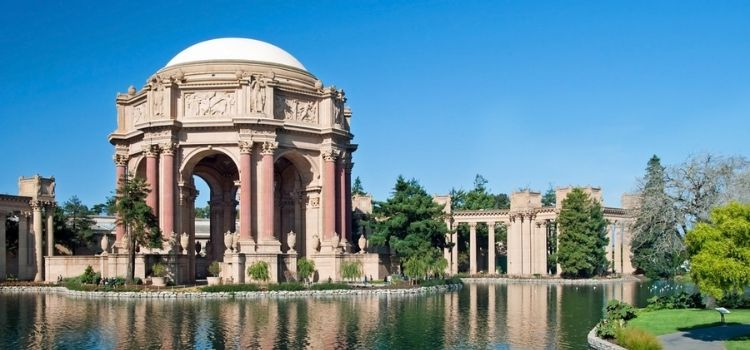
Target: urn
291,240
362,244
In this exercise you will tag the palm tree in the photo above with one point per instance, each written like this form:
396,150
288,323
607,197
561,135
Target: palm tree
141,225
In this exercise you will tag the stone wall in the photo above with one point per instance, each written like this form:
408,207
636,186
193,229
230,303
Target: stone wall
70,266
601,344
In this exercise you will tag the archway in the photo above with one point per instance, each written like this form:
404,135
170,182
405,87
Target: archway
292,173
220,174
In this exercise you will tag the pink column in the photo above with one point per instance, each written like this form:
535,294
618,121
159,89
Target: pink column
329,195
152,179
120,161
348,202
341,199
167,161
246,149
266,165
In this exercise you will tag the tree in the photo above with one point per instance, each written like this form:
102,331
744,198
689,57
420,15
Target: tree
108,207
357,188
720,251
583,236
73,224
656,245
549,199
203,213
410,222
141,225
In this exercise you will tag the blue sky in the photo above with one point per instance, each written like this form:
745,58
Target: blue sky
525,93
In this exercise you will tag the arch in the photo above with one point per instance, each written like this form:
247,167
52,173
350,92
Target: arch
191,159
306,168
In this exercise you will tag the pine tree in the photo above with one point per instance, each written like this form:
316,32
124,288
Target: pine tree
357,188
583,236
656,245
549,199
141,225
411,223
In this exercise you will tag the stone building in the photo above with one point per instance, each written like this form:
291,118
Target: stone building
270,140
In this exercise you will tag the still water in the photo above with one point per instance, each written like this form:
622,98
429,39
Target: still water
499,316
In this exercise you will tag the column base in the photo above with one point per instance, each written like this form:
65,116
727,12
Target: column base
247,246
273,247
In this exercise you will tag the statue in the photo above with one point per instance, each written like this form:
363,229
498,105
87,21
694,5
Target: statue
257,96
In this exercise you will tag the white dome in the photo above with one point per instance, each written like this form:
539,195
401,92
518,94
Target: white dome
241,49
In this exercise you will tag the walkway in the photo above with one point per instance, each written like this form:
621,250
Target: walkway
703,338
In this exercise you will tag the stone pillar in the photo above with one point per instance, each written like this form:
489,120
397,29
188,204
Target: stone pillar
348,201
454,252
329,195
152,178
472,248
526,245
23,245
557,248
540,251
36,207
120,163
267,193
514,245
246,156
617,256
491,248
50,230
627,265
168,175
3,261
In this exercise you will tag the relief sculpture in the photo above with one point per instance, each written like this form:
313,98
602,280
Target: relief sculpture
139,112
304,111
208,104
257,96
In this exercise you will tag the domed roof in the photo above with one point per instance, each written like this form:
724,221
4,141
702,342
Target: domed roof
240,49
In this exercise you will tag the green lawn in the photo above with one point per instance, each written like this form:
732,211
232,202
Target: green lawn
670,321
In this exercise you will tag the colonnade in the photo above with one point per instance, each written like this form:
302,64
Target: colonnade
30,238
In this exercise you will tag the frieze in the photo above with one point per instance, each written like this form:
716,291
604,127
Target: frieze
295,109
209,104
139,113
257,95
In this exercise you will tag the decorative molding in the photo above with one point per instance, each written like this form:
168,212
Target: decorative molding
246,147
209,103
168,148
295,109
150,150
330,155
120,159
268,148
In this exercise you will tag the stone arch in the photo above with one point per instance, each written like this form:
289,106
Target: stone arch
293,174
307,168
193,157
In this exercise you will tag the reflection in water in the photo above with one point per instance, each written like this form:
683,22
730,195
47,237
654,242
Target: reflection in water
478,316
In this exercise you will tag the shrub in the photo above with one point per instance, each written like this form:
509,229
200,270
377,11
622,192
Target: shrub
351,270
681,300
89,276
440,282
617,313
214,269
305,268
288,286
636,339
230,288
159,270
329,286
258,271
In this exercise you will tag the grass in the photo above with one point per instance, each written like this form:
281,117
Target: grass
740,343
670,321
636,339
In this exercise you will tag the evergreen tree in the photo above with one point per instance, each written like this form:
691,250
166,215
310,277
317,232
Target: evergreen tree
141,225
411,223
583,236
357,188
656,244
73,224
549,199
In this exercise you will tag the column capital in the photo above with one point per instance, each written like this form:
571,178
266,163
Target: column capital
120,159
168,148
268,148
36,205
150,150
246,147
472,224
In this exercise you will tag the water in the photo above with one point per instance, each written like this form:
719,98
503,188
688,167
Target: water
495,316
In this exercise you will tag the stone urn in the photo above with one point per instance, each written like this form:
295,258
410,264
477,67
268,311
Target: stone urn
362,242
335,241
316,242
105,244
184,240
236,242
291,241
158,281
228,238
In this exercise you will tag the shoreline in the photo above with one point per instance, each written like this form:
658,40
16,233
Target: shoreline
173,295
551,281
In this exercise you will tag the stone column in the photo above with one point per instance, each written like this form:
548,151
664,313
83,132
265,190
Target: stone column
3,269
120,163
167,161
514,245
246,156
526,244
341,201
491,248
454,252
541,248
348,201
329,195
557,248
627,265
36,207
472,248
50,230
152,178
617,256
267,193
23,245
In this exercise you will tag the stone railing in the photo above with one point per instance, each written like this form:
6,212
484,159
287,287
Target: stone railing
601,344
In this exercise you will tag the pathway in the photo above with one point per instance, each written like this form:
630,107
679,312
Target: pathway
703,338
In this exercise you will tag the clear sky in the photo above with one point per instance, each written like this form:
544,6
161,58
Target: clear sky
526,93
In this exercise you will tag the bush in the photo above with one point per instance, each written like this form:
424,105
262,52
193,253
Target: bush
617,313
288,286
351,270
329,286
305,268
735,301
680,300
159,270
258,271
89,276
214,269
636,339
230,288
